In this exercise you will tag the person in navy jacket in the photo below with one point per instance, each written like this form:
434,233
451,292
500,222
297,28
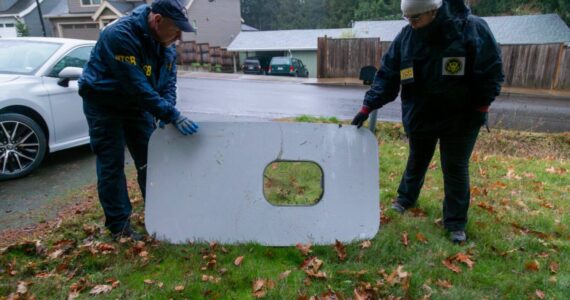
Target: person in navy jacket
448,66
129,81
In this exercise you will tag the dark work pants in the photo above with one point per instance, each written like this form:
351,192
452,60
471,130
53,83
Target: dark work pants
110,130
455,150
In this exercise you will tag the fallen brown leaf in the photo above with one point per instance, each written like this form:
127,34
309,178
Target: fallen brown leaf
533,266
554,267
449,264
498,185
22,288
179,288
113,282
540,294
340,250
464,258
397,276
305,249
417,212
311,267
261,286
486,206
365,291
405,238
443,284
210,278
101,289
284,274
512,175
238,261
421,238
365,244
106,248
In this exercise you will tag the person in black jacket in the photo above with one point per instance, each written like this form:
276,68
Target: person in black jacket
129,81
449,67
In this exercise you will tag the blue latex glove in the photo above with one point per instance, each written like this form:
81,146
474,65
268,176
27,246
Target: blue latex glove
185,125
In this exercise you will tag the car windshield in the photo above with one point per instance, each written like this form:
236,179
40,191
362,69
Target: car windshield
252,61
24,57
280,61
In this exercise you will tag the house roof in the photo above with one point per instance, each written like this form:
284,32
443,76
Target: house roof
18,7
61,10
535,29
281,39
508,30
125,7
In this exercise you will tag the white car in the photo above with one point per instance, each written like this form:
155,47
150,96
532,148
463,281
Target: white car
40,110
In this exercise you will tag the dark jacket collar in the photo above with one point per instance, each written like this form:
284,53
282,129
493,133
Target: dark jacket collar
140,14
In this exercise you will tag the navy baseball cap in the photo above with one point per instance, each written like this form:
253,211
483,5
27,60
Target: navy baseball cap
175,11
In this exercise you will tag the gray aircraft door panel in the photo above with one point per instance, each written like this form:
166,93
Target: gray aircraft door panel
209,186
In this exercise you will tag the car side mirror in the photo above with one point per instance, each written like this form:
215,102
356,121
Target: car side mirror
68,74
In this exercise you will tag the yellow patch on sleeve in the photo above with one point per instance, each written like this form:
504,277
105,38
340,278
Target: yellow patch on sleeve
127,59
406,74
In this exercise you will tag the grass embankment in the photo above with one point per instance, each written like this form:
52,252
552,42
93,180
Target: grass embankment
518,248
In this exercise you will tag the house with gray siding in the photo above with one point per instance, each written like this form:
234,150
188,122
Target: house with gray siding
217,21
83,19
25,11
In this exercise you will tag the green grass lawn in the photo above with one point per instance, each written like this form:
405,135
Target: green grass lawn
518,248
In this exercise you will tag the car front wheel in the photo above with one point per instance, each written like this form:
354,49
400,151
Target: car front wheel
22,145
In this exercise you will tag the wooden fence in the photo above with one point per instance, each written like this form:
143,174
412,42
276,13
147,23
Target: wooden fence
562,81
529,66
344,57
536,66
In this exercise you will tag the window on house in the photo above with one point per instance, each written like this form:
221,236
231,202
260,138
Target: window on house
10,25
90,2
1,25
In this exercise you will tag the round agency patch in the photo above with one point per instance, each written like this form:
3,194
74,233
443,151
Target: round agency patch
454,66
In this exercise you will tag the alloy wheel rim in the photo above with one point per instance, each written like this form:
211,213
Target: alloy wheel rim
19,147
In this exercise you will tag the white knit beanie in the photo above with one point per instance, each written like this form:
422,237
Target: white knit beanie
413,7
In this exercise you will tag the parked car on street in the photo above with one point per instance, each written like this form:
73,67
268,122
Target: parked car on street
40,110
255,65
285,65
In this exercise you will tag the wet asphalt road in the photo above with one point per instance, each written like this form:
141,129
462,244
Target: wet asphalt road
39,196
268,99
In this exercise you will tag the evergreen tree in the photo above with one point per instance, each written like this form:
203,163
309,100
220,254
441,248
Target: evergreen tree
22,28
310,14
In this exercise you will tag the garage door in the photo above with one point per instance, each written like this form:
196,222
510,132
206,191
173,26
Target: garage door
8,30
80,31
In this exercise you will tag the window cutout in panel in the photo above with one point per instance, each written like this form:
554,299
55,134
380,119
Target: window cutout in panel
293,183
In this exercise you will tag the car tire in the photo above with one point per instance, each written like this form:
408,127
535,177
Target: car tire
23,145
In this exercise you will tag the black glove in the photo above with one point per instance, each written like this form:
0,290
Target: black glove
361,116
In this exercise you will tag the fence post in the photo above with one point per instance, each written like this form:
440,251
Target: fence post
554,84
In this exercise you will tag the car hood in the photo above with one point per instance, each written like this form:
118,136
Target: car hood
4,78
12,86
